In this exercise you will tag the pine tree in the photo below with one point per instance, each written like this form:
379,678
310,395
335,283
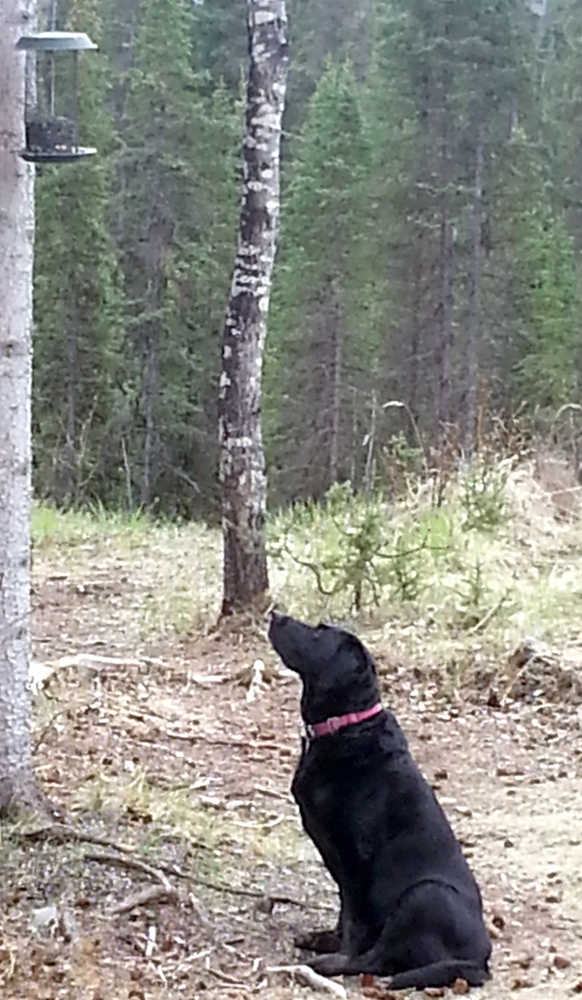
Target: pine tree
455,77
78,307
177,215
316,343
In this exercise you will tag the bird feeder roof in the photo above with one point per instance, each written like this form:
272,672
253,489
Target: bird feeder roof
56,41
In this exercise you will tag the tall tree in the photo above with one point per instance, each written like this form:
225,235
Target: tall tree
78,314
455,78
176,219
320,340
242,462
16,255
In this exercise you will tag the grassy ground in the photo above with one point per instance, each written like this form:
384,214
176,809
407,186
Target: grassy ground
152,739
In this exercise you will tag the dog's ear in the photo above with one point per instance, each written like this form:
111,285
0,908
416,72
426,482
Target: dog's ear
358,653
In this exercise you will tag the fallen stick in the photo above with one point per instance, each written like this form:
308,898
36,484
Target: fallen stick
63,833
303,974
151,894
130,862
224,978
487,617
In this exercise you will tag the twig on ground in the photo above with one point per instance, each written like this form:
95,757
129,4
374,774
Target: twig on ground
263,790
131,862
233,891
484,621
202,737
224,978
46,729
250,893
93,661
151,894
63,833
198,910
177,754
303,974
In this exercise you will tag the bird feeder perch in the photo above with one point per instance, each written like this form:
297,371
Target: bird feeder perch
52,96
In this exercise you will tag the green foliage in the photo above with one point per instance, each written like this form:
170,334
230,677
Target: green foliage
349,564
320,327
387,104
483,494
551,305
360,554
52,526
78,301
472,596
407,565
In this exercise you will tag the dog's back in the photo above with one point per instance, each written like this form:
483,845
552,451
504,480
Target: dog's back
364,802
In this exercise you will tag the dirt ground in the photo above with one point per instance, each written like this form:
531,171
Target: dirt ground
195,874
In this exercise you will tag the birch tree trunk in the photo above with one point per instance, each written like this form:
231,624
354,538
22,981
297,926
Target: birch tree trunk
16,254
242,462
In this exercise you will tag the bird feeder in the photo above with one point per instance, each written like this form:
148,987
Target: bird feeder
52,96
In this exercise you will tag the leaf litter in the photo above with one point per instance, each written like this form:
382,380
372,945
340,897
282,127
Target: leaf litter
189,874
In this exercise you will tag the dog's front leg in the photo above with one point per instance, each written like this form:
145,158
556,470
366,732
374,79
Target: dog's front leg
323,942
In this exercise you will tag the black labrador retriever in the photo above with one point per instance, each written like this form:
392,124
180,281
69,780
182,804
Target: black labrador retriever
410,907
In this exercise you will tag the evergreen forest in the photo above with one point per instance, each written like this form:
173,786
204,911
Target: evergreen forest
426,294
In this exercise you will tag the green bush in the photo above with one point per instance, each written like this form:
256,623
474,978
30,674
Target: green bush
483,494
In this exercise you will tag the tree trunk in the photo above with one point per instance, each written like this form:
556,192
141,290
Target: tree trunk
445,326
336,389
150,392
159,238
16,255
446,266
415,328
369,471
242,463
469,416
70,463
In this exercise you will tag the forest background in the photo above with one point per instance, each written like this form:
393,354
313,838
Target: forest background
429,252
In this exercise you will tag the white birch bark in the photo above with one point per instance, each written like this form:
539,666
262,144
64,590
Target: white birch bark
242,463
16,255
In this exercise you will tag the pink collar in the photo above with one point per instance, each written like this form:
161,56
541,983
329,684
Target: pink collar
339,721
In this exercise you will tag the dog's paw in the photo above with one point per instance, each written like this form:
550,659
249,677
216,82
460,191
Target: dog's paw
330,965
323,942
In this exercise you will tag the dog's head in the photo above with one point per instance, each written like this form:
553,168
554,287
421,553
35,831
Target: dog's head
338,673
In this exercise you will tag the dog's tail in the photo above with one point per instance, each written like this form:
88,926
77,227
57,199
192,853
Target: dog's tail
440,974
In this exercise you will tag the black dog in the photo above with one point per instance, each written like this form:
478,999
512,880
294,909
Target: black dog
409,905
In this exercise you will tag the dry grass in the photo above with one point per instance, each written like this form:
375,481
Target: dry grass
158,749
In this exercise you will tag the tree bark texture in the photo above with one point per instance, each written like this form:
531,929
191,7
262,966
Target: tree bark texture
336,386
242,463
16,257
474,304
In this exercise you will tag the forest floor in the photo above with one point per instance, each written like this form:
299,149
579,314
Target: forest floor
191,874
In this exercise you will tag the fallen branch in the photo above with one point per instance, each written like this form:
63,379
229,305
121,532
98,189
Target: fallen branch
130,862
273,792
303,974
93,661
151,894
250,893
224,978
487,617
62,833
46,729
